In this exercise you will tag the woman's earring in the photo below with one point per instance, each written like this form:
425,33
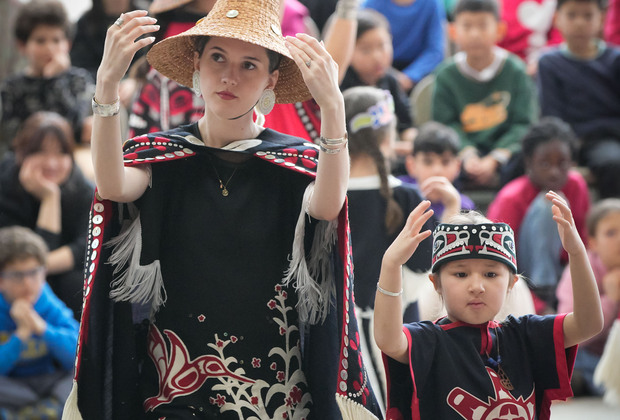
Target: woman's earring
196,83
266,101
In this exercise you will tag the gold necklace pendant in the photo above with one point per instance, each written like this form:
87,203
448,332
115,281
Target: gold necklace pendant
224,192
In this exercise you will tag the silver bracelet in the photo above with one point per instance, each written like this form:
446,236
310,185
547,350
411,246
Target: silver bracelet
331,151
334,142
387,293
347,9
106,110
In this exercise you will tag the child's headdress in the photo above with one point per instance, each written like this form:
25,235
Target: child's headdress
376,116
492,241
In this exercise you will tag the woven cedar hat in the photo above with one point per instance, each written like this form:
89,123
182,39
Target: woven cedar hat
253,21
160,6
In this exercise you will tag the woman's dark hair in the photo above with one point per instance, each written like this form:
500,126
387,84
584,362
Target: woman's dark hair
40,12
367,141
546,130
368,19
36,128
274,57
477,6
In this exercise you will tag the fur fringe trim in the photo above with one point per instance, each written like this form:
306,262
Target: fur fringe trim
137,283
314,298
607,371
71,411
352,410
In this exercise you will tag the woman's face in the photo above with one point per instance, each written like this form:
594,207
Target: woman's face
51,159
233,75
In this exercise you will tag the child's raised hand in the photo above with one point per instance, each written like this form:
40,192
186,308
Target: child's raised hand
566,225
410,237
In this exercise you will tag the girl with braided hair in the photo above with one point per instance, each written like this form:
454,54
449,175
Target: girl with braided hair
378,203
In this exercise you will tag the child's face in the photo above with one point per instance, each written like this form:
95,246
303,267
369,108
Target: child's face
424,165
548,167
372,56
22,279
606,240
476,33
473,290
54,163
45,43
579,22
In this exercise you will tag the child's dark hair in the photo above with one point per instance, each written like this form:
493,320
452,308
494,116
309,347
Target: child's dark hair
434,137
368,19
368,140
599,211
40,12
37,128
477,6
601,4
546,130
19,243
274,58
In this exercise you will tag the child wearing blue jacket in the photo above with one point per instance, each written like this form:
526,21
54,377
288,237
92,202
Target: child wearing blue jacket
38,334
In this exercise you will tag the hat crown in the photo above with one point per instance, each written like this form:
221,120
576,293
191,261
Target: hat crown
253,21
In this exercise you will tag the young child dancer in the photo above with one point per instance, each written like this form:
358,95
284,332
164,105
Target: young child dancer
467,365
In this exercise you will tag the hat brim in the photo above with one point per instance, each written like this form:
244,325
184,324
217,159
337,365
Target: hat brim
174,58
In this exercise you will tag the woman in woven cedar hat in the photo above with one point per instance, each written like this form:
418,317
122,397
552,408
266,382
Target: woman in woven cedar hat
218,283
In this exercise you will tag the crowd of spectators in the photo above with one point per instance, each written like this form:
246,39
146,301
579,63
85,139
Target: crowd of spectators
523,97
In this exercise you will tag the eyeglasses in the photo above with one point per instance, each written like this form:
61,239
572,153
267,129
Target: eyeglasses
20,276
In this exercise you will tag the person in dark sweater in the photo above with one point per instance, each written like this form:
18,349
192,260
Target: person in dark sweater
43,189
49,81
579,82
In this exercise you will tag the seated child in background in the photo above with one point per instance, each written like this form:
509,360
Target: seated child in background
378,203
579,82
49,83
434,165
484,93
38,334
418,36
468,362
548,149
604,254
371,66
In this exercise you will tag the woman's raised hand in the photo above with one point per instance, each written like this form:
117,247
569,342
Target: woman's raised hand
318,68
122,41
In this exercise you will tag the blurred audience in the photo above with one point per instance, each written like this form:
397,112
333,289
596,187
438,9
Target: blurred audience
38,335
49,82
579,82
43,189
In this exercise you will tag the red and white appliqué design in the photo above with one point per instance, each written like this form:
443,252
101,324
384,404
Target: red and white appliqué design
234,389
503,406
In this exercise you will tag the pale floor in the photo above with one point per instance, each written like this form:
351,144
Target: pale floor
584,408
